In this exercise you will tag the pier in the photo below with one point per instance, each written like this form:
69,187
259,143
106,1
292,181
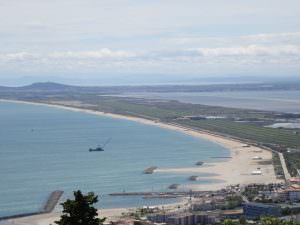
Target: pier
221,157
193,178
48,207
52,201
166,194
150,170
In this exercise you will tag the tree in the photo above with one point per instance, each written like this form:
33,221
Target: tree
262,221
229,222
286,211
80,211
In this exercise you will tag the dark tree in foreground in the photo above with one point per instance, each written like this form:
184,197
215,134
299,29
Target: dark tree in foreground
80,211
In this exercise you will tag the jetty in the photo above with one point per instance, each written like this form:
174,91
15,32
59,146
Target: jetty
163,194
221,157
52,201
193,178
47,208
174,186
150,170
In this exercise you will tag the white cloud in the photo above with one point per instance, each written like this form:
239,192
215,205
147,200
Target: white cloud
251,50
98,54
17,56
147,36
273,36
290,38
107,59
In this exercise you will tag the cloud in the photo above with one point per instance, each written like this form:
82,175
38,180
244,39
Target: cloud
98,54
17,56
177,59
104,53
289,38
251,50
269,52
35,25
273,36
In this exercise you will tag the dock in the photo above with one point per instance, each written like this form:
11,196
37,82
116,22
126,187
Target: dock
47,208
221,157
174,186
150,170
164,194
52,201
193,178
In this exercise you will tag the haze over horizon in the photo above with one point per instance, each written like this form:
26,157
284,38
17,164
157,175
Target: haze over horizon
140,42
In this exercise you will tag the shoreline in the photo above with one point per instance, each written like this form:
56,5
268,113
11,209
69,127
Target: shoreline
230,171
198,134
111,214
234,170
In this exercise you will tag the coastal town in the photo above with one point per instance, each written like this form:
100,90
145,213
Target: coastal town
249,202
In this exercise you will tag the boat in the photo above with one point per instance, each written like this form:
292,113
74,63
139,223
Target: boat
100,148
199,163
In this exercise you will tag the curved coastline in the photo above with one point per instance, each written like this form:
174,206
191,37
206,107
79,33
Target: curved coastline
234,170
198,134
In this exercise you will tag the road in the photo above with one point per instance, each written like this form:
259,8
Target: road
284,167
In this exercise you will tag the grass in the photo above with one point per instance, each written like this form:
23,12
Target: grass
258,134
292,160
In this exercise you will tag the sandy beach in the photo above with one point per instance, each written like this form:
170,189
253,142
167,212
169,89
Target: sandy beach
49,218
235,170
109,214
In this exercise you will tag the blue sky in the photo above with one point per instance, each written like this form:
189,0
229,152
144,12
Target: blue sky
86,39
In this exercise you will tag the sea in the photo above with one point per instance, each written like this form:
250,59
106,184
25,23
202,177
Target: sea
43,149
272,100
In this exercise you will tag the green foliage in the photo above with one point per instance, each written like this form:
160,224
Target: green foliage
229,222
243,220
286,211
80,211
233,201
292,160
263,135
263,221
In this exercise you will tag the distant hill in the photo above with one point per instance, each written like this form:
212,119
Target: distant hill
52,87
47,86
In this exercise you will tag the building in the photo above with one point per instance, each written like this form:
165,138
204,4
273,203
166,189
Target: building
192,219
293,193
256,172
255,210
159,218
184,218
231,214
294,180
277,195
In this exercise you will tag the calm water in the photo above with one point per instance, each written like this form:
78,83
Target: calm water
44,149
281,101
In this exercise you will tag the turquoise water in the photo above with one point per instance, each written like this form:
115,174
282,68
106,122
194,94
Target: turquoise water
44,149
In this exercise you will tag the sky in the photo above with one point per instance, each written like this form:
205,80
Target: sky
106,40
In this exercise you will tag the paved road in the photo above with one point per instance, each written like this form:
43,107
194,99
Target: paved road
284,167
